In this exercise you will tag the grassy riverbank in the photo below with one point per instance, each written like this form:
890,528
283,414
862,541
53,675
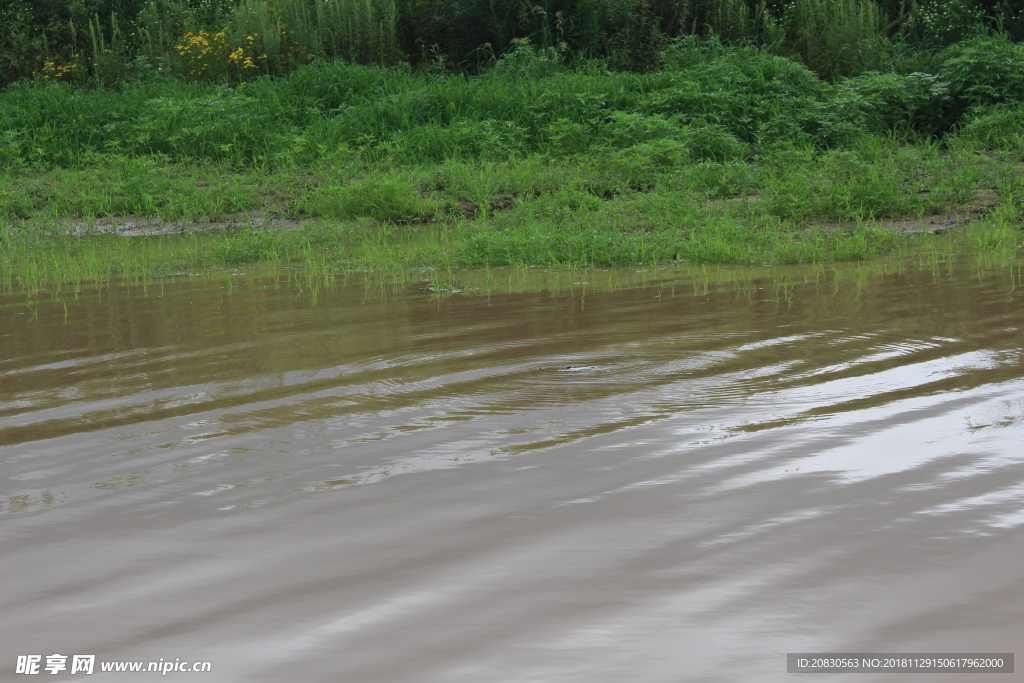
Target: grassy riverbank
723,155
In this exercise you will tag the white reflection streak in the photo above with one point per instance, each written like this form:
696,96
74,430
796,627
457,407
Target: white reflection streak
357,620
261,655
1010,494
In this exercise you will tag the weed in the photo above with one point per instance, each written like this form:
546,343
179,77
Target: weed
723,155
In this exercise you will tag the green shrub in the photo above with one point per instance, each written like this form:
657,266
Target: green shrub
986,69
883,102
943,22
563,137
712,142
718,102
997,127
750,93
626,128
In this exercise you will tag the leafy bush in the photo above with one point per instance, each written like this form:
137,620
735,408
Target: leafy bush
946,21
750,93
627,128
986,69
998,127
720,103
883,102
712,142
661,154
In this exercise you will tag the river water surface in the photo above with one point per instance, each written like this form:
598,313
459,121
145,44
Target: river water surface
658,481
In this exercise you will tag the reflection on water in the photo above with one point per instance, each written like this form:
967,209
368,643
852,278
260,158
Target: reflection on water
642,475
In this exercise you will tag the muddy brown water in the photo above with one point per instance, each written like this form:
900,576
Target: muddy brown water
657,482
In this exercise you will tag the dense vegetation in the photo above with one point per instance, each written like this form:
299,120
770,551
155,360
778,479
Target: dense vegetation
705,150
708,101
108,40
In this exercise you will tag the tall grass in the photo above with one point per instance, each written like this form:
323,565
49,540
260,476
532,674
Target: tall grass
75,42
833,37
292,32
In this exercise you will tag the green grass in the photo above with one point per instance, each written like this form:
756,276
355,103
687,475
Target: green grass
726,155
794,206
709,102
